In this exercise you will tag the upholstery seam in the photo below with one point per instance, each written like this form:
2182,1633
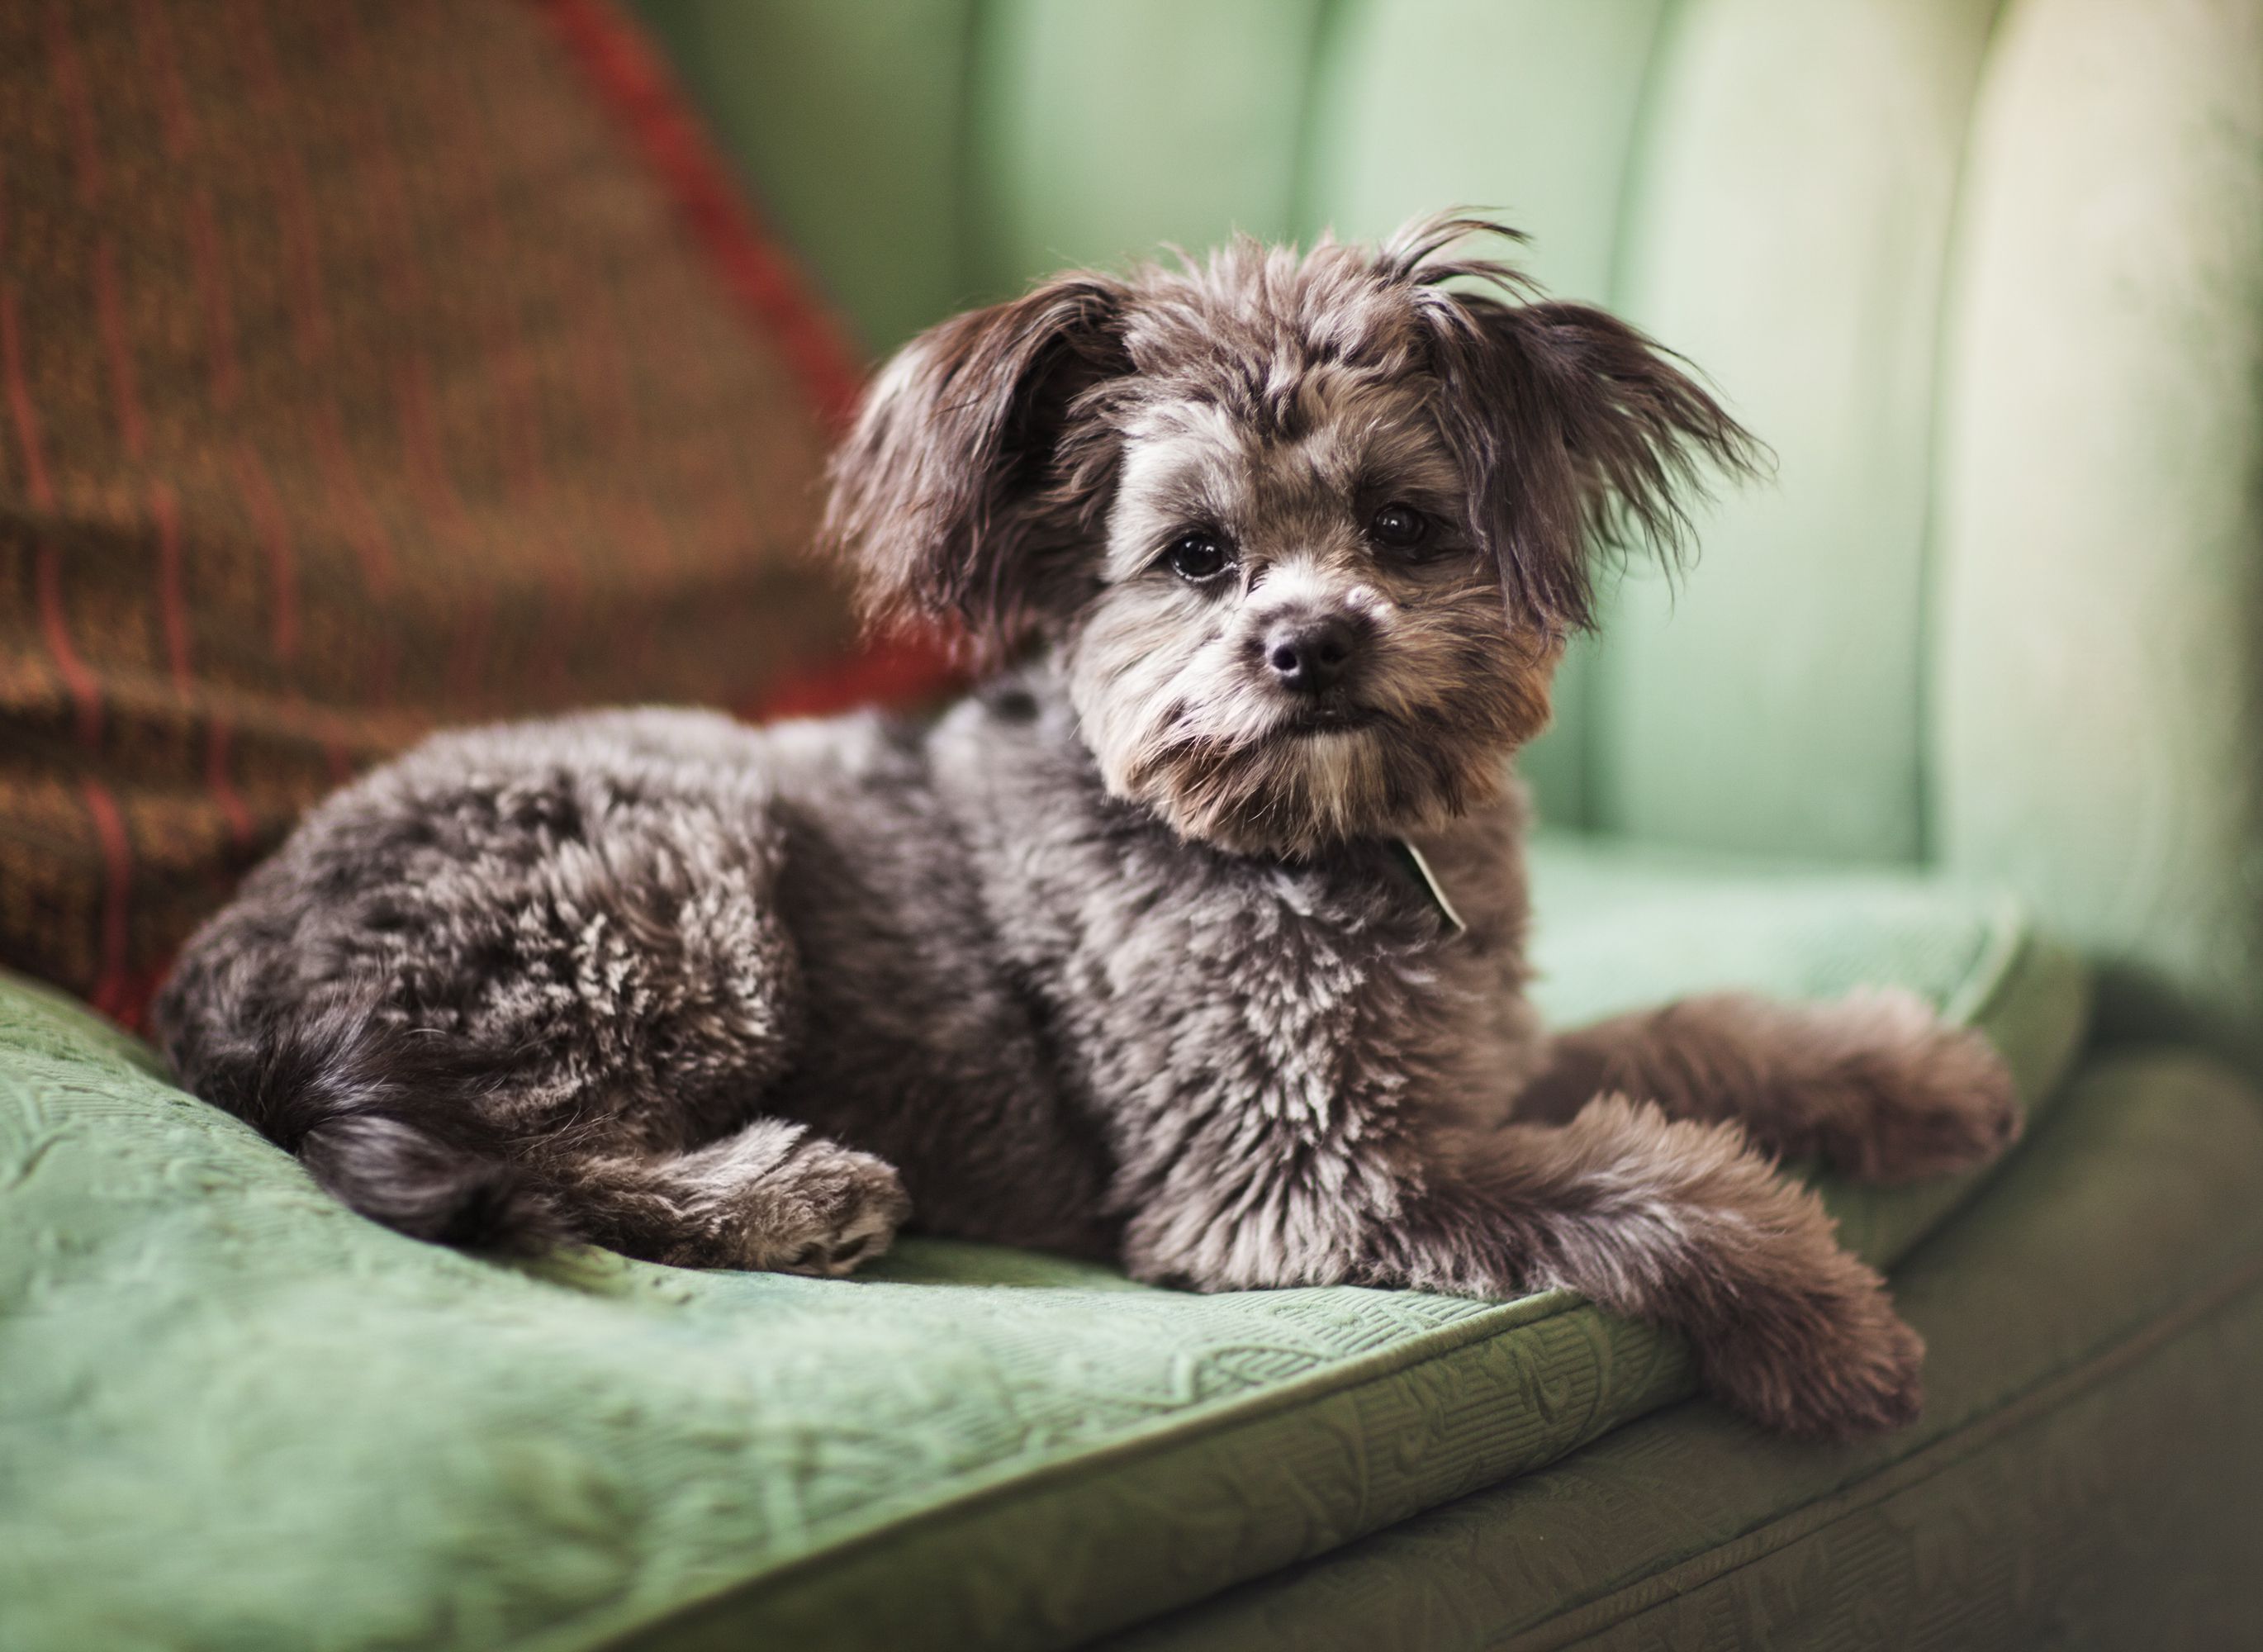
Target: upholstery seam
1931,573
1322,51
1602,806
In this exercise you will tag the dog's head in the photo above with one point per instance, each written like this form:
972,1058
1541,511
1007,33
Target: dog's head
1309,534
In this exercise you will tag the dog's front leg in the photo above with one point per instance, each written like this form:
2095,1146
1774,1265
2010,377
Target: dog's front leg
1874,1083
1677,1222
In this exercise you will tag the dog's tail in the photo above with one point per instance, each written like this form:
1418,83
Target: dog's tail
387,1120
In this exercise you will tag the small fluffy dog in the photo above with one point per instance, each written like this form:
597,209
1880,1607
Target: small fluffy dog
1195,940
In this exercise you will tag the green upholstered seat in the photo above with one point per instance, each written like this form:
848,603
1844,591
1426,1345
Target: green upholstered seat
233,1408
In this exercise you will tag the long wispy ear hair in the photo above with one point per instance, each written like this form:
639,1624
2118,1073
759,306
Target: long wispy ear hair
1579,435
951,497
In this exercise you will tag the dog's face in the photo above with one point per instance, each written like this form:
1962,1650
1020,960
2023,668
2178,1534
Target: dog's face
1308,535
1294,637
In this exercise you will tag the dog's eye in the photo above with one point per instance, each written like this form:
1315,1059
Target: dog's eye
1198,557
1399,527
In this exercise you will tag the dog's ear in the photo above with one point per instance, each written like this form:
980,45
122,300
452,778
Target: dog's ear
1578,436
953,496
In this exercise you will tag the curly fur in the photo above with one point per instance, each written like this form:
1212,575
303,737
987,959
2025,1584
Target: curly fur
1118,956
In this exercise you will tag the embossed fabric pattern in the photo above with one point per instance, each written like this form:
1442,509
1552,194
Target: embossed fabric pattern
360,371
232,1407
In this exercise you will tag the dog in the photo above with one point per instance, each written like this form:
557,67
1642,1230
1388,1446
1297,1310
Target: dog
1194,938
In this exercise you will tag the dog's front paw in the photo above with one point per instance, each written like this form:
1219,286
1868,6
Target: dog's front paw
828,1210
1828,1363
1930,1098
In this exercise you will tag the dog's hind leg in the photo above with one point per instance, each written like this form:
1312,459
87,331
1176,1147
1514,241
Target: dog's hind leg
512,951
1874,1083
772,1197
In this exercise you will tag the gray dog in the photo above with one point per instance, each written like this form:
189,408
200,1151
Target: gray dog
1196,940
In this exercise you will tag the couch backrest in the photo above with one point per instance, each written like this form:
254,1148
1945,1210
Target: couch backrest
1989,276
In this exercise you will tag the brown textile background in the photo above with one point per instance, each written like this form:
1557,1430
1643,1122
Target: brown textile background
357,375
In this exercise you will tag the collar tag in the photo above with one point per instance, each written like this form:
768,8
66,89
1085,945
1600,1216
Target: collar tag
1418,869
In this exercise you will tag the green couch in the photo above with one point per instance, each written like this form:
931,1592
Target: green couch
1970,700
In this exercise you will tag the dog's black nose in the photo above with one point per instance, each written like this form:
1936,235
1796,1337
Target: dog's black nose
1309,654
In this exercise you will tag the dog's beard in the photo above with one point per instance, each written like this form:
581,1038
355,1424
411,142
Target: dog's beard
1296,789
1184,723
1292,794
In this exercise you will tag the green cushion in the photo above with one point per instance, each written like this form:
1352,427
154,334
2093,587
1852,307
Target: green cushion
2085,1474
229,1408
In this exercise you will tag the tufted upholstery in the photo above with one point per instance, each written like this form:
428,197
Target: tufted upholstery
1989,276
